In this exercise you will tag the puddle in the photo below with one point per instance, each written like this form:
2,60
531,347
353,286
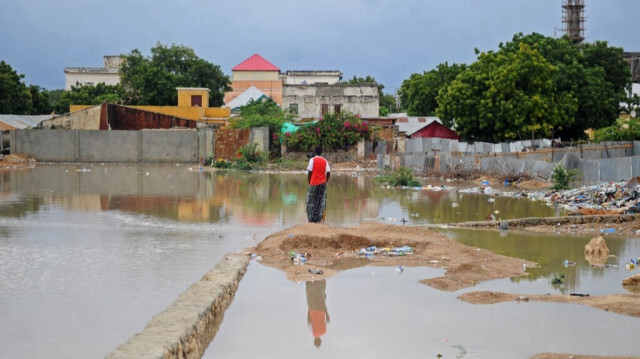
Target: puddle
88,257
374,312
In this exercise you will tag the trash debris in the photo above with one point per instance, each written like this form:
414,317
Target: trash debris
503,225
578,295
568,263
607,230
399,269
454,205
599,199
316,271
522,298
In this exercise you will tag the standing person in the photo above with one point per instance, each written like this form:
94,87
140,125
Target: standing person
318,174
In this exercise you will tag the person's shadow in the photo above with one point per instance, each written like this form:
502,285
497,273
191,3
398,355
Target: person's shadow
318,316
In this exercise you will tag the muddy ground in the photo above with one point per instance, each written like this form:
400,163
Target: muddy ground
332,249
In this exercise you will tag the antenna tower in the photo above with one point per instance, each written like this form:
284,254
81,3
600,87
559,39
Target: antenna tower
573,19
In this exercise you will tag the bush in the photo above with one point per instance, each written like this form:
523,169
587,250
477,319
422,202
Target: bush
333,132
561,177
397,178
622,130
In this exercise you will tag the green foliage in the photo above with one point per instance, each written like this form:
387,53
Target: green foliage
506,96
251,154
222,163
622,130
419,92
333,132
19,99
561,177
400,177
153,80
557,280
537,86
264,113
60,102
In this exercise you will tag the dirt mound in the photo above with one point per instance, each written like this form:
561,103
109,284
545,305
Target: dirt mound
533,185
331,249
596,247
632,281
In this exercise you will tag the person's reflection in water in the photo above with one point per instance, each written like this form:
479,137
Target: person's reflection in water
318,316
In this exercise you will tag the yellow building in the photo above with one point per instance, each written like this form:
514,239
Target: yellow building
193,104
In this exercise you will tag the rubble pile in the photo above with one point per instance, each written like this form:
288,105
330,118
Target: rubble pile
602,198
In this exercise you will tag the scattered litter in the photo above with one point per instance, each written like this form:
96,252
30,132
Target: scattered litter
256,257
607,230
454,204
399,269
491,199
316,271
568,263
578,295
522,298
503,226
524,267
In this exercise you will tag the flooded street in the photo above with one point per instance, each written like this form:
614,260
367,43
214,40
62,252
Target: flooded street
88,254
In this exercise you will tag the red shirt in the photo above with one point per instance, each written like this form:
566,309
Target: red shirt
318,166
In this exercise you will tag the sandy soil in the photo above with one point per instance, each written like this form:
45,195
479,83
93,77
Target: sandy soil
332,249
17,160
626,304
620,228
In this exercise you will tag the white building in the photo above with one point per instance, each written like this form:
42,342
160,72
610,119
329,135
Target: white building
314,101
109,74
311,77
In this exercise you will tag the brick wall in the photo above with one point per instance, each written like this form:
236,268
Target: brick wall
126,118
228,142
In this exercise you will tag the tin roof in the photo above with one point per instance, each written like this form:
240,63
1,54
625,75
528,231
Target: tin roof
411,125
255,63
252,93
19,122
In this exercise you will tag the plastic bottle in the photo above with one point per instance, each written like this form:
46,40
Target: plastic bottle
630,266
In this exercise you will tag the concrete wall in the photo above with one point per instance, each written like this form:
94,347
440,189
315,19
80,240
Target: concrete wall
188,325
148,146
256,75
90,76
360,99
85,119
611,161
312,77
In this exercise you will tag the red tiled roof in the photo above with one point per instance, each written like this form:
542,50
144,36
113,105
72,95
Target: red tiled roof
255,63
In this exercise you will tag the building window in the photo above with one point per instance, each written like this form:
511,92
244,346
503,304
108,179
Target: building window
324,110
293,108
337,109
196,100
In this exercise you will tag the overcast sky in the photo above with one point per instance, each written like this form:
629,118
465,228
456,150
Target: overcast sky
388,39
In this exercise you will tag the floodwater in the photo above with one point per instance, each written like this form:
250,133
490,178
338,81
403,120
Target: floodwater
88,254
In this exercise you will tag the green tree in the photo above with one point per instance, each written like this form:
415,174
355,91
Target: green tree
15,97
59,102
265,113
153,80
40,102
595,74
506,96
419,92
